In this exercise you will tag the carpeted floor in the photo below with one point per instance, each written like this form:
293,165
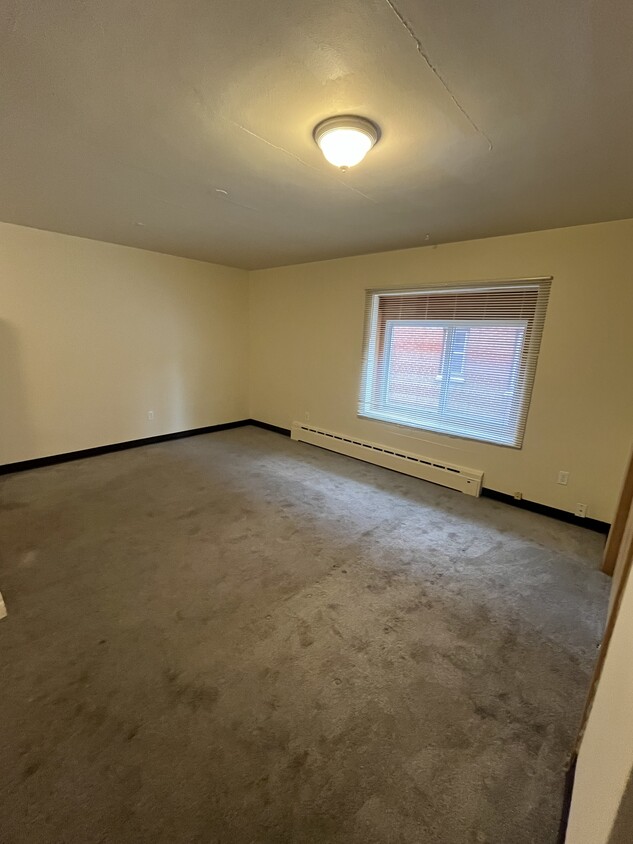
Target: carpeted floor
237,638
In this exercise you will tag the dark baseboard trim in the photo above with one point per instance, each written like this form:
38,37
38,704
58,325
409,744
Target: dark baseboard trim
38,462
570,775
545,510
268,427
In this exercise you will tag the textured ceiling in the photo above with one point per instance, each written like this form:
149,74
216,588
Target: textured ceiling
122,120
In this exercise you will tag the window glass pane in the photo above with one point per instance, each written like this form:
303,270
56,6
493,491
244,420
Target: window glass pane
487,391
415,364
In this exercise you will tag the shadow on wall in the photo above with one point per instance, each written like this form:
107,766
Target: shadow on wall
15,431
622,832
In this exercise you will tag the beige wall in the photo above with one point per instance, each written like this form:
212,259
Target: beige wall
93,336
306,339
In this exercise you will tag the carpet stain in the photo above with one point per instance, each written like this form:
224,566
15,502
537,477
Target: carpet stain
196,696
30,769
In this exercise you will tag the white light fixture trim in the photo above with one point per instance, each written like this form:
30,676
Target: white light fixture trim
346,140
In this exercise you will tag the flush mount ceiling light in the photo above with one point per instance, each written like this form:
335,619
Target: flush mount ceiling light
345,140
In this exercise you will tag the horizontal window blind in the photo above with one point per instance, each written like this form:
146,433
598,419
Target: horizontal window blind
459,361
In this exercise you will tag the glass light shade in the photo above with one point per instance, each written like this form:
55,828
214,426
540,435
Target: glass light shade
345,141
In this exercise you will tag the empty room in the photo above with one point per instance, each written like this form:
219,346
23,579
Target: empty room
316,418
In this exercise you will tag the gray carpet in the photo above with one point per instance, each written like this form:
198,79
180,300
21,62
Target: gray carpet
238,638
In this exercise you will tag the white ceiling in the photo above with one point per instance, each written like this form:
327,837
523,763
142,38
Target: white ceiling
121,119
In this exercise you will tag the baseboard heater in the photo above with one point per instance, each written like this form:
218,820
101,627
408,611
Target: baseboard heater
436,471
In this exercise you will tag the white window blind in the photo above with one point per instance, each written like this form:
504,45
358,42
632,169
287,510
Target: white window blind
458,361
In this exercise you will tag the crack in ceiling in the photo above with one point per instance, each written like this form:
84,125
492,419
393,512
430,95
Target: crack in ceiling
296,158
436,72
118,113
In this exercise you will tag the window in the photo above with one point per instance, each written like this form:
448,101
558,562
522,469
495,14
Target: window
456,361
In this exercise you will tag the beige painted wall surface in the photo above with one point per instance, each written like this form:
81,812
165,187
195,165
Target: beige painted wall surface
93,336
605,760
306,341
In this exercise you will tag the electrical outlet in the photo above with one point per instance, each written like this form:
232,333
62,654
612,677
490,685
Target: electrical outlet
563,478
150,415
307,416
581,510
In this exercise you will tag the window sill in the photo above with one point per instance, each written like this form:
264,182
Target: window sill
453,432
